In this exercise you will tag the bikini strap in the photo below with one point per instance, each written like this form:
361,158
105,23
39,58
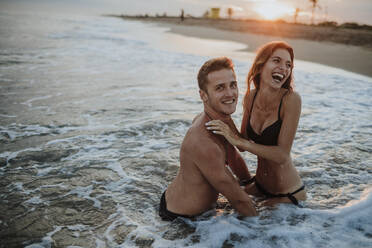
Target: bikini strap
250,112
291,195
245,182
301,188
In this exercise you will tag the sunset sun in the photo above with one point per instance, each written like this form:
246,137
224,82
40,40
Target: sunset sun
273,10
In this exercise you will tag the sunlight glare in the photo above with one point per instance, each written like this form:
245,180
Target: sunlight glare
273,10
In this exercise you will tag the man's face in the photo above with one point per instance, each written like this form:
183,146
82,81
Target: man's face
221,91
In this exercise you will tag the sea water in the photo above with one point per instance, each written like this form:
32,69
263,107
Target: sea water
92,114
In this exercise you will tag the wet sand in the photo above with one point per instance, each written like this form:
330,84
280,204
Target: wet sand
346,49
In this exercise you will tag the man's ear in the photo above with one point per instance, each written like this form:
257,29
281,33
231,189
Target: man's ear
203,95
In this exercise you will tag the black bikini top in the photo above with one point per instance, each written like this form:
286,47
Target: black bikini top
269,135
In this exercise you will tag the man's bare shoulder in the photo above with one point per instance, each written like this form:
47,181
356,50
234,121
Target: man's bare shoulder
197,117
200,142
198,134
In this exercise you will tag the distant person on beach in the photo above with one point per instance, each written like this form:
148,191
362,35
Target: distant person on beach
205,157
270,119
182,15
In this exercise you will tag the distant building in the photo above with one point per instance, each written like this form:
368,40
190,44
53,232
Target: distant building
215,13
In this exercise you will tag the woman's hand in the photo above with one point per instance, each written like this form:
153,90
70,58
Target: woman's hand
221,128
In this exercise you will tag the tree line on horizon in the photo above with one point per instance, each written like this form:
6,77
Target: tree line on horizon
314,5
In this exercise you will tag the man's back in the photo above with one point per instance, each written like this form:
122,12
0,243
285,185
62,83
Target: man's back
190,193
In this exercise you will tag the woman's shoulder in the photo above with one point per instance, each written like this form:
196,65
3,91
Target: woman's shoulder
251,95
248,98
292,97
292,101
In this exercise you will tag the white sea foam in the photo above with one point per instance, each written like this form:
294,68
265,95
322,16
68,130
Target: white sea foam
44,171
85,192
100,243
34,200
11,155
8,116
29,102
47,240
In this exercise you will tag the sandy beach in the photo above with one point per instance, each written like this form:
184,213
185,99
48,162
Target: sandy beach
346,49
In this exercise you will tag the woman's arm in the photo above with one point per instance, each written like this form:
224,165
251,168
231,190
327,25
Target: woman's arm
281,152
237,163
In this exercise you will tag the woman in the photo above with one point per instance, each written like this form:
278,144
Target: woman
271,114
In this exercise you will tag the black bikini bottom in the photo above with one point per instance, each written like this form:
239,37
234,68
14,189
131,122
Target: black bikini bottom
167,215
270,195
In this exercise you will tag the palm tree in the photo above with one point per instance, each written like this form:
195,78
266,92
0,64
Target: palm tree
315,4
230,12
297,11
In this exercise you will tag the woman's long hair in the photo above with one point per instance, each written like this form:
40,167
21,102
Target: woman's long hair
254,75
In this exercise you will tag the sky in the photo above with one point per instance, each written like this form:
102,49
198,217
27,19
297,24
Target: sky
329,10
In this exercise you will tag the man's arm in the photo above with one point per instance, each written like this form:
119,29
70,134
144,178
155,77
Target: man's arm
237,163
211,162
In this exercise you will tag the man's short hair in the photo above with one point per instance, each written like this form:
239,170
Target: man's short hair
212,65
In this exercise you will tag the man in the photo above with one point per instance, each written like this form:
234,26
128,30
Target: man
204,156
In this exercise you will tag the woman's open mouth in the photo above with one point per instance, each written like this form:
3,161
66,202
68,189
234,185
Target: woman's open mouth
278,77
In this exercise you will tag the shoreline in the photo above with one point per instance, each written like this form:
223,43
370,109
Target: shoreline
353,58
